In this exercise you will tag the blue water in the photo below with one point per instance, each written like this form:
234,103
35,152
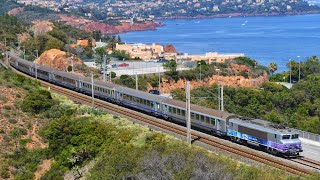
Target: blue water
266,39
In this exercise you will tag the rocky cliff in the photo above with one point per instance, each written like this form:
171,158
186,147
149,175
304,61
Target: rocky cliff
169,49
232,81
57,59
123,27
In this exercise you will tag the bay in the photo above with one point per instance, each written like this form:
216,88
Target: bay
266,39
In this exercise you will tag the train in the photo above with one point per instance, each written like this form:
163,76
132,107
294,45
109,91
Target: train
272,138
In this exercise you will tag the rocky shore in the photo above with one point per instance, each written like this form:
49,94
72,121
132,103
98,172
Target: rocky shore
239,15
123,27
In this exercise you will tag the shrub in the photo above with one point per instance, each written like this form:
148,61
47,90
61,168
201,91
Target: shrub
5,173
12,121
37,101
7,108
3,98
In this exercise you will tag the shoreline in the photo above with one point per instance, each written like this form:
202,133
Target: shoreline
160,24
238,15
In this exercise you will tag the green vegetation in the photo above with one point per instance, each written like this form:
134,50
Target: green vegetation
37,101
10,27
308,67
109,146
248,68
143,81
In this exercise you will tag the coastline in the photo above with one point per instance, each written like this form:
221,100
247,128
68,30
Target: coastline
159,24
238,15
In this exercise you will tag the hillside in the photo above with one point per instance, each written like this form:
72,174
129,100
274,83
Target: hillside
46,135
114,9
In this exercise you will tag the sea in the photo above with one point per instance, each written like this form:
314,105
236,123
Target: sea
266,39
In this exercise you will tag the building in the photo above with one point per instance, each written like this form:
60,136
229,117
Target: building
84,43
209,57
143,51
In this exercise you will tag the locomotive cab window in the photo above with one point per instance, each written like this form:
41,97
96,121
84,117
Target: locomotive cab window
295,136
286,137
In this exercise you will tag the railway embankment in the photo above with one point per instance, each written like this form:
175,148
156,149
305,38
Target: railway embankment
76,134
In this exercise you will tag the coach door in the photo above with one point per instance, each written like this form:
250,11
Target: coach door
221,126
165,109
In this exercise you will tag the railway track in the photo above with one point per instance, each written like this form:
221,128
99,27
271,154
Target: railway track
308,162
159,123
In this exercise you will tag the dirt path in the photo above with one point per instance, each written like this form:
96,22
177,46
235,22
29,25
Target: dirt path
44,167
36,139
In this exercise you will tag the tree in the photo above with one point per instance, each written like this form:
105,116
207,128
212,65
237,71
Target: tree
119,41
38,101
311,66
272,67
54,43
57,33
113,42
171,65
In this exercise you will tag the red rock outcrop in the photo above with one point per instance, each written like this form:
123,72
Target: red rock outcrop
57,59
15,11
40,27
123,27
237,68
231,81
170,49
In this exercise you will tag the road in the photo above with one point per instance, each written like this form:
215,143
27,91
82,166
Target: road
311,149
137,67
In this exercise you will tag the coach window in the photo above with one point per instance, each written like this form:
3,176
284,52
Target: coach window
174,111
202,118
183,113
197,117
207,120
212,121
178,111
170,109
193,116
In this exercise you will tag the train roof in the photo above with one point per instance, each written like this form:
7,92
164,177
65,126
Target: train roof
219,114
262,124
141,94
69,75
19,59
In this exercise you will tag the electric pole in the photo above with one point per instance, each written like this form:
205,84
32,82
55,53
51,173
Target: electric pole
104,68
92,89
188,119
290,72
72,65
36,70
159,80
222,108
299,67
219,91
136,81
